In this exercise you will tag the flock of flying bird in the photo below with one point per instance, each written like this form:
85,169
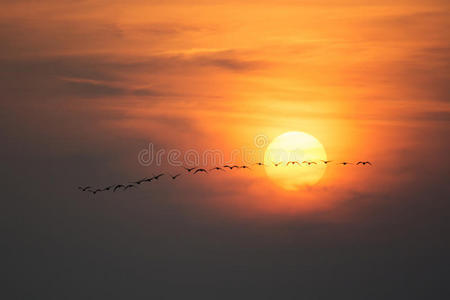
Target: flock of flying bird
195,170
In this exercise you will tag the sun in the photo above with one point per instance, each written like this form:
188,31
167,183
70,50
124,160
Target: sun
295,146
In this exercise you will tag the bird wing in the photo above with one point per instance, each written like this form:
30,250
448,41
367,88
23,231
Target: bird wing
118,187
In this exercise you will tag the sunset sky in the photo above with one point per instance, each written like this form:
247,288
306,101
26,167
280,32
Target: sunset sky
87,85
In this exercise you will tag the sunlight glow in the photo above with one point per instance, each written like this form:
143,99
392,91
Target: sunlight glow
295,146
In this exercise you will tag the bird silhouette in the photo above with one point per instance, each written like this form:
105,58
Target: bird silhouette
364,163
128,186
95,191
309,162
189,169
109,187
231,167
84,188
174,176
217,168
293,162
139,181
344,163
326,161
200,170
277,164
118,187
157,176
259,164
244,167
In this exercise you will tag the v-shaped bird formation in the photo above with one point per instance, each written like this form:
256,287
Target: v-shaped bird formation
197,170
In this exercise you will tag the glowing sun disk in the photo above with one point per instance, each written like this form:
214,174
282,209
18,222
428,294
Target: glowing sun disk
297,147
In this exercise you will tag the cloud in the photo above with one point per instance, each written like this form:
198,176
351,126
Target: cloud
94,88
98,76
420,74
229,63
438,115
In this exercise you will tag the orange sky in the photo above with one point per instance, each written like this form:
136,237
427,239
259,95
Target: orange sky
87,85
367,78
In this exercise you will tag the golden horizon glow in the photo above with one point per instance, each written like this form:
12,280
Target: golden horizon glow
295,146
